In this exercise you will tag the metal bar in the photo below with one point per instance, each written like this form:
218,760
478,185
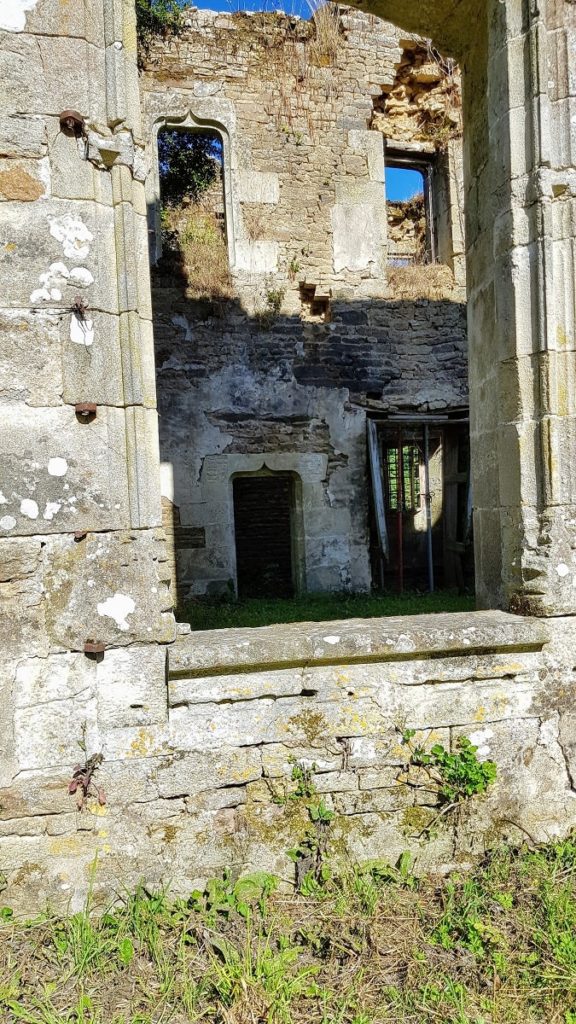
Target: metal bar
428,506
378,489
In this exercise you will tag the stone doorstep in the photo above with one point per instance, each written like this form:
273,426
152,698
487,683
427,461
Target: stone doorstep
360,641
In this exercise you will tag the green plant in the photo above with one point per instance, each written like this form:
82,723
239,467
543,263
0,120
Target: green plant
189,162
222,896
293,268
373,945
156,18
267,315
453,776
450,777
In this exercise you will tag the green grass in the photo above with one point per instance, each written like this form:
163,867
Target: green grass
206,614
374,945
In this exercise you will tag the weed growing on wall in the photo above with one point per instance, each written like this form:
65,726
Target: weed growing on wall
268,313
450,778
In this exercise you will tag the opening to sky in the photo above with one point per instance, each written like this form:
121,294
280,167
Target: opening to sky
403,183
301,8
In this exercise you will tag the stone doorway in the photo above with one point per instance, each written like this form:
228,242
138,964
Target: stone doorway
263,531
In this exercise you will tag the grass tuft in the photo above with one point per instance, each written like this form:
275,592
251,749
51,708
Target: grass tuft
374,945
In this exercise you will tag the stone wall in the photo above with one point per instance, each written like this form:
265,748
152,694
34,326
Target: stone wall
196,747
316,334
195,772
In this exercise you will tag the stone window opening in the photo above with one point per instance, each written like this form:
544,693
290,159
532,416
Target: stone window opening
409,210
190,247
267,534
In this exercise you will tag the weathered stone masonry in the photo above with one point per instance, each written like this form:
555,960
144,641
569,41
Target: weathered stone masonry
190,753
306,219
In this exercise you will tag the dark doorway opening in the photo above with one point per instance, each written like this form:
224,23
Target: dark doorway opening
263,511
421,509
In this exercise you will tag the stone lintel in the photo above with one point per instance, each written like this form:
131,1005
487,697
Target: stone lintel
399,638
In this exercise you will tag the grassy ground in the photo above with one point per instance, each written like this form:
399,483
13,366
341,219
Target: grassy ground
376,946
203,614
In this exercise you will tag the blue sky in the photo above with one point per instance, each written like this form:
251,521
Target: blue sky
402,183
300,7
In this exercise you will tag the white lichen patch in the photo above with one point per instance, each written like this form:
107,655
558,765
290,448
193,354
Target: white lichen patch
7,523
562,569
3,500
81,276
81,330
480,740
117,608
57,466
73,234
29,508
13,14
51,281
52,507
331,639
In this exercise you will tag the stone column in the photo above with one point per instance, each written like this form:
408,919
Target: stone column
521,192
81,544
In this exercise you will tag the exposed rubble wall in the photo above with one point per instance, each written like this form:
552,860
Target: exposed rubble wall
281,373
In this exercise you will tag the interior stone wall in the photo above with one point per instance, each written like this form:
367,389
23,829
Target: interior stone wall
239,388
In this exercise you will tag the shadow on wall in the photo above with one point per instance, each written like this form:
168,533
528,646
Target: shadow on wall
285,392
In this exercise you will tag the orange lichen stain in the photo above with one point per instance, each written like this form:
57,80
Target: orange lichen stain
562,401
561,337
142,744
61,846
480,714
99,810
103,833
10,247
17,184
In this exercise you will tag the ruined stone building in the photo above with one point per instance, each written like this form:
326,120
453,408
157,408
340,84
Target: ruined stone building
326,352
338,306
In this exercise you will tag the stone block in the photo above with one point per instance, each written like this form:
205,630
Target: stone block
131,687
258,187
24,181
336,782
107,588
22,602
199,772
50,733
31,358
257,257
50,255
357,238
60,678
22,135
381,801
278,758
59,474
93,373
20,557
231,688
